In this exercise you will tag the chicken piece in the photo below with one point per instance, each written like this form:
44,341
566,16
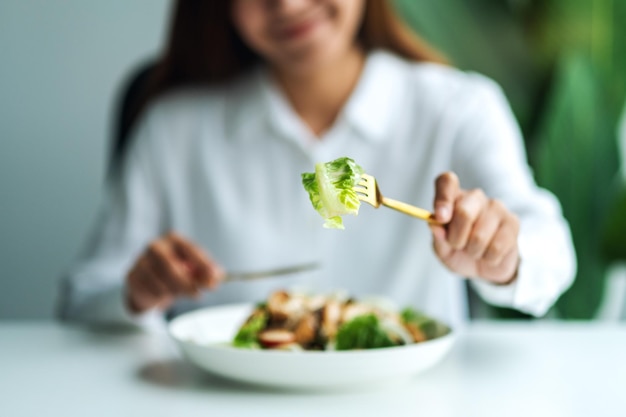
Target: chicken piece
416,333
276,304
307,329
331,316
351,310
315,302
284,307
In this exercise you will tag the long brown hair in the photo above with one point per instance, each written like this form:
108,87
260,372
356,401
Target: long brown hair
203,48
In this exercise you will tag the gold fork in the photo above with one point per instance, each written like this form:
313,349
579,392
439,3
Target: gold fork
368,191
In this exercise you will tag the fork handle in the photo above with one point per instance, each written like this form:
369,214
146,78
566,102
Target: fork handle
405,208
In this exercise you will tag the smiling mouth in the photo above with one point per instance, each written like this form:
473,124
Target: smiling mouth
297,31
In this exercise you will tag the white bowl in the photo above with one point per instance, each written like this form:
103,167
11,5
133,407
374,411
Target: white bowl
204,338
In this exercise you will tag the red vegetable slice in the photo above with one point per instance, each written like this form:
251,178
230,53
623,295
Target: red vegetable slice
276,338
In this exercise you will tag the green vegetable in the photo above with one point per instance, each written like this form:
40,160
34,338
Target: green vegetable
429,326
247,337
331,190
362,332
410,315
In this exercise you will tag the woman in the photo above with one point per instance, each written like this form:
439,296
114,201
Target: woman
250,94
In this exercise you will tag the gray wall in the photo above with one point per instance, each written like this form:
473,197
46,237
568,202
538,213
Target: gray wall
61,64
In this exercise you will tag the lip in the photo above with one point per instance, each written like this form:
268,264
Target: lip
298,30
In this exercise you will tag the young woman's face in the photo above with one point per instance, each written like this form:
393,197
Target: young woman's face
298,35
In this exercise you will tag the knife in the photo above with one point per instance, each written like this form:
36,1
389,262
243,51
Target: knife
245,276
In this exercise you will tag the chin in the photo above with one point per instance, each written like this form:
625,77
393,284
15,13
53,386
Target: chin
312,57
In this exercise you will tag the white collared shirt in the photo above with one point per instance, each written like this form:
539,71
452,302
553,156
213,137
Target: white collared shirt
222,167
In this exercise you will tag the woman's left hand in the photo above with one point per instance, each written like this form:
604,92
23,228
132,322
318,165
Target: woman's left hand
479,239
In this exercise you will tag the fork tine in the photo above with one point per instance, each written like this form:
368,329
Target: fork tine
366,190
362,194
366,199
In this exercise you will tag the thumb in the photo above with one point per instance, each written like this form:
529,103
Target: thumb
447,189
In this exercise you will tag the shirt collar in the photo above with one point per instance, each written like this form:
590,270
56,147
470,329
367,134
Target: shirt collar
370,110
280,115
374,103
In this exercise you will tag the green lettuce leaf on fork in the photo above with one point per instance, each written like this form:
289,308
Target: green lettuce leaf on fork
331,190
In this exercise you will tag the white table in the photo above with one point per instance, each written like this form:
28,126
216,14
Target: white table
519,369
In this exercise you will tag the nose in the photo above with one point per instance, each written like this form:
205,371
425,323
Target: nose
287,7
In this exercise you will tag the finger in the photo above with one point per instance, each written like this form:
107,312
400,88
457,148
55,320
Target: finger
205,270
147,282
164,294
467,208
511,261
144,293
161,294
170,268
447,189
194,259
157,272
504,240
440,244
482,233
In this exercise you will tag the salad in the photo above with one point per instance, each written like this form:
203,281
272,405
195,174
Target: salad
292,321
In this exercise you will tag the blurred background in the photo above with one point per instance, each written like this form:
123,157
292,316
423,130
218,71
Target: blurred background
64,65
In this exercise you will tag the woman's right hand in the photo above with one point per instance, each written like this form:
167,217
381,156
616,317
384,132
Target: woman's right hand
170,267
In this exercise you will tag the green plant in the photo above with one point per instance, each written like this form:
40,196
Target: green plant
576,158
563,68
614,243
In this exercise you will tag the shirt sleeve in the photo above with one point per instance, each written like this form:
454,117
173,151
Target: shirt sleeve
93,291
489,154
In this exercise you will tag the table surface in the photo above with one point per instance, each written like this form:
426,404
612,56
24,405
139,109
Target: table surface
495,369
